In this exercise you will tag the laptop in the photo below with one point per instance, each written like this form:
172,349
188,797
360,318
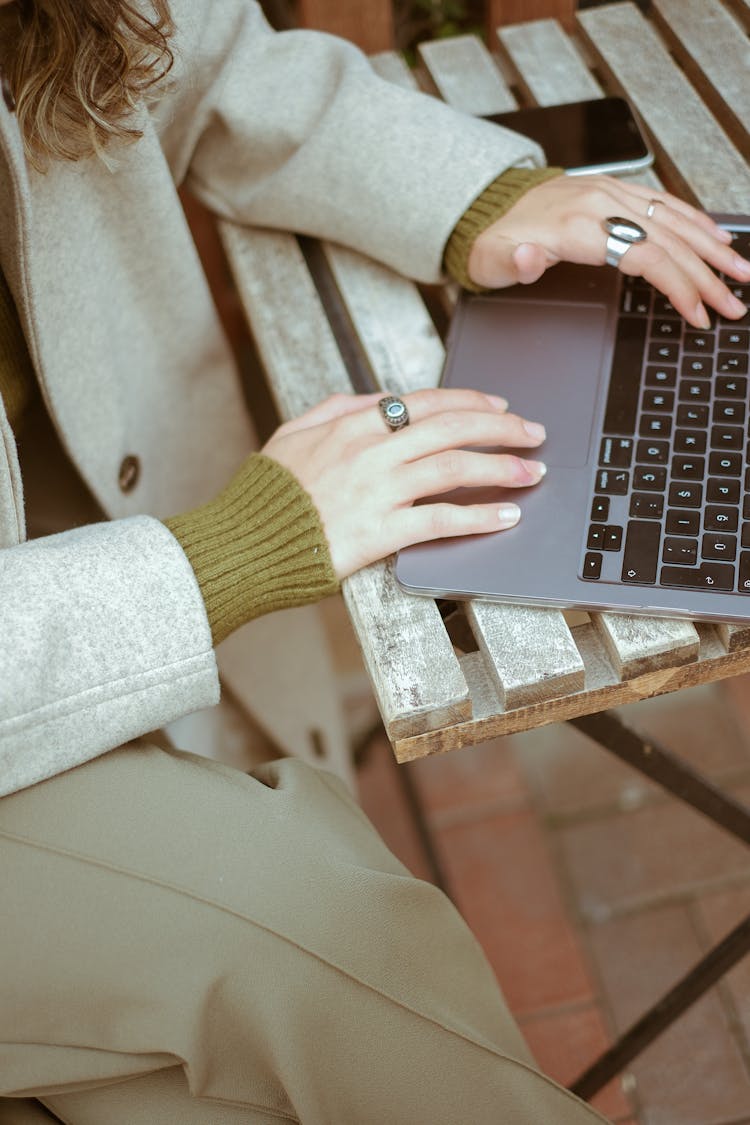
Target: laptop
645,507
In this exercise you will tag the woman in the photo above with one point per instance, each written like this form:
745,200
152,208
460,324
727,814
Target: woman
182,941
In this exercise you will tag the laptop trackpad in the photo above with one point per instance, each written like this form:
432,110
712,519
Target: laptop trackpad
545,358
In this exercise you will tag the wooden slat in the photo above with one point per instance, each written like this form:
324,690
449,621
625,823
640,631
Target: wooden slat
391,321
644,644
734,637
603,690
741,9
530,652
391,66
683,130
466,76
714,51
402,636
549,68
416,676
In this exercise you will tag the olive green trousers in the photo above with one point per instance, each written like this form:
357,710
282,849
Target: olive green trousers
183,943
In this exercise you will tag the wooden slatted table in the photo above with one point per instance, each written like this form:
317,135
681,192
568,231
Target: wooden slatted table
686,70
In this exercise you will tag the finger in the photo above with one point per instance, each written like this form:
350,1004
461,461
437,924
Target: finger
450,430
460,468
530,261
678,272
335,406
674,203
720,255
444,521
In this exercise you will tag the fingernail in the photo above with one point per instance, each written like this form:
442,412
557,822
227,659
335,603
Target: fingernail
508,514
537,469
725,235
498,401
535,430
742,264
736,305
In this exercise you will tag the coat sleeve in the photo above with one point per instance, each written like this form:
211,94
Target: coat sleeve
86,661
294,130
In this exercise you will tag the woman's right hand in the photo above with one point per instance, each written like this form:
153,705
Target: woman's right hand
364,479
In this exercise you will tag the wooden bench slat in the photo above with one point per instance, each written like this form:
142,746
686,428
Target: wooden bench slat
415,673
466,75
530,652
393,67
637,61
549,68
644,644
713,48
404,642
741,9
391,321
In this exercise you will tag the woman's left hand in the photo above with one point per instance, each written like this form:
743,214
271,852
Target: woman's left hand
562,220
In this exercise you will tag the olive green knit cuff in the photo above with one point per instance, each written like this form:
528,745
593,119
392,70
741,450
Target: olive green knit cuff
259,546
494,201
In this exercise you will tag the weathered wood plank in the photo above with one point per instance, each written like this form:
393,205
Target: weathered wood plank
734,637
603,690
391,321
637,645
637,61
466,76
715,53
741,9
392,66
401,636
416,676
530,652
548,67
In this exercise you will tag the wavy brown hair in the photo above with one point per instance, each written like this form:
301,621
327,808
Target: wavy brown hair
77,68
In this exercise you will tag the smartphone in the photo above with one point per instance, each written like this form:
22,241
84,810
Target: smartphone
600,135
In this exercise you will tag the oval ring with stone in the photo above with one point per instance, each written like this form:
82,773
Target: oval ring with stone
394,412
621,235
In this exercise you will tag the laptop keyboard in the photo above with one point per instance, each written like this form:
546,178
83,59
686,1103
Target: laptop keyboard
671,495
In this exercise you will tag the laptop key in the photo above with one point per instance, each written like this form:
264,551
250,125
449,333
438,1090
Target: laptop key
745,541
689,414
616,452
681,522
684,551
689,441
734,338
613,483
600,509
652,452
743,577
718,518
660,376
707,576
688,468
731,386
732,363
612,537
595,539
725,464
592,565
716,546
641,556
700,343
685,494
624,389
727,437
721,491
650,478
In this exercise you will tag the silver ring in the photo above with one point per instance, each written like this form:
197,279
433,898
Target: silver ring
394,412
621,235
652,205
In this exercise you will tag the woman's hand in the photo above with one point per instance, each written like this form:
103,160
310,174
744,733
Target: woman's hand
364,479
561,220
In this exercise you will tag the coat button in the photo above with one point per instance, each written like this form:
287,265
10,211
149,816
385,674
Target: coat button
8,98
129,474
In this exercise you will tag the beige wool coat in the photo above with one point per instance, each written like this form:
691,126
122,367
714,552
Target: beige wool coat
103,632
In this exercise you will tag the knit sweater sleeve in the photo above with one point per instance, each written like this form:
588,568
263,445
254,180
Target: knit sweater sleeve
494,201
258,546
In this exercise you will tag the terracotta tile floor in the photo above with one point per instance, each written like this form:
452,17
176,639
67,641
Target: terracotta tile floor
591,891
